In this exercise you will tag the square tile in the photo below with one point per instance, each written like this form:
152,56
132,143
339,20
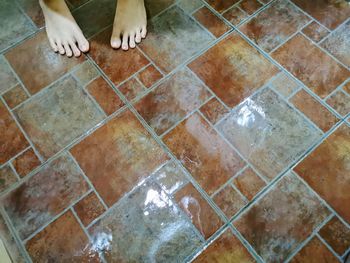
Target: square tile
26,162
7,78
15,96
311,65
250,6
172,100
214,110
209,159
315,31
284,85
274,25
149,76
268,132
340,101
86,72
44,195
56,117
221,5
7,177
89,208
173,37
131,89
233,69
249,183
282,219
146,226
235,15
331,180
123,153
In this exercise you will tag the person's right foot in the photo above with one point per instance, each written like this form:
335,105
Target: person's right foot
64,34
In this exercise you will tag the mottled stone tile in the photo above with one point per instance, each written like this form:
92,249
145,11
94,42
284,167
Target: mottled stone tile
86,72
331,180
131,89
213,110
53,245
249,183
190,5
346,87
12,140
233,69
7,78
274,25
57,116
33,10
226,248
282,219
198,210
311,65
44,195
235,15
250,6
7,177
340,101
284,85
173,37
268,132
15,96
315,31
314,110
221,5
89,208
209,159
172,100
149,76
146,226
124,154
26,162
154,7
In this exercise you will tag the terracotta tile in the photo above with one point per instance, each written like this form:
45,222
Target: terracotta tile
314,110
172,100
315,31
44,195
229,201
340,101
26,162
311,65
329,13
214,110
52,244
333,152
274,25
249,183
190,5
221,5
15,96
235,15
7,177
216,26
203,152
154,7
198,210
105,95
250,6
86,72
12,140
173,37
57,116
149,76
109,59
131,89
314,252
124,154
226,248
284,85
268,132
274,232
89,208
146,226
33,10
233,69
7,78
337,235
346,87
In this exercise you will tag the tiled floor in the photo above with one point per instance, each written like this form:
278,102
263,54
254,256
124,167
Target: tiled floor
223,137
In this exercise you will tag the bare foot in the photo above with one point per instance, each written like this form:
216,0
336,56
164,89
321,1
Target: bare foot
129,24
63,32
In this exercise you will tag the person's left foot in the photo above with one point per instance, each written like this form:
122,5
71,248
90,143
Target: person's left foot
129,24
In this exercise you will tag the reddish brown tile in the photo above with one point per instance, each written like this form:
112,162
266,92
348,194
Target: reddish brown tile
7,177
149,76
327,170
282,219
131,89
44,195
15,96
340,101
33,10
284,85
250,6
346,87
213,110
198,210
203,152
315,31
233,69
46,66
124,154
221,5
235,15
249,183
89,208
311,65
172,100
26,162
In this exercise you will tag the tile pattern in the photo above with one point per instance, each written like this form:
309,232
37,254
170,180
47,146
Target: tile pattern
340,101
316,32
89,208
26,162
149,76
15,96
249,183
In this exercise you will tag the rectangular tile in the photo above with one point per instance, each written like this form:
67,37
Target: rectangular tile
149,76
284,84
315,31
89,208
26,162
250,6
235,15
214,110
15,96
249,183
221,5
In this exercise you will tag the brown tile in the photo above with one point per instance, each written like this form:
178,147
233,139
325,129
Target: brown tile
216,26
7,78
235,15
149,76
275,232
172,100
314,110
213,110
89,208
250,6
154,7
15,96
131,89
346,87
33,10
52,244
86,72
12,140
226,248
26,162
331,179
221,68
105,95
311,65
274,25
249,183
329,13
340,101
229,201
210,160
46,66
198,210
315,31
314,252
221,5
124,154
7,177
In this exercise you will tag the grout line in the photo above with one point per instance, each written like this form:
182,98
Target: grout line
339,88
346,253
328,246
14,171
331,32
15,156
